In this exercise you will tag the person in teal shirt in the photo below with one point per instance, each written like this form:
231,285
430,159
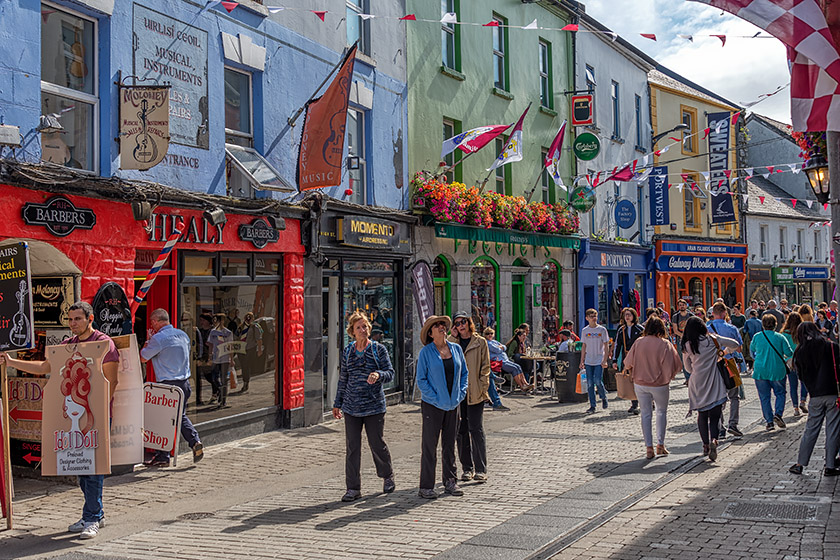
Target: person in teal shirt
770,350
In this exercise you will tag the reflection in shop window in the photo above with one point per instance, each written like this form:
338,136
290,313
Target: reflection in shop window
695,292
199,266
483,294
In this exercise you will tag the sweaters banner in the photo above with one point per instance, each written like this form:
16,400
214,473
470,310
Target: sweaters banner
723,209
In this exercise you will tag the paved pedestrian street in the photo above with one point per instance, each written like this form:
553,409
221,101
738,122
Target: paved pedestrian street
563,484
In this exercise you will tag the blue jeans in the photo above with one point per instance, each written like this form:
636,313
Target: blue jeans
188,431
91,485
764,386
595,378
494,394
795,384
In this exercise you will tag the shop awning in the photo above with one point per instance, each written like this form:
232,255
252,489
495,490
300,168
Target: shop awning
494,235
46,260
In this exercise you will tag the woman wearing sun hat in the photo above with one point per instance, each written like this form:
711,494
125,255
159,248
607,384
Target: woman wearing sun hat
442,378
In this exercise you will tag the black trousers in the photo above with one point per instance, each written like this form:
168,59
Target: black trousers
374,427
443,425
472,446
708,422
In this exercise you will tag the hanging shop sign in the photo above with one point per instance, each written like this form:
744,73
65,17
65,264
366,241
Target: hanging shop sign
586,146
723,209
59,216
51,300
17,329
144,126
358,231
625,214
424,290
659,203
582,114
259,233
758,274
111,312
168,50
681,263
793,274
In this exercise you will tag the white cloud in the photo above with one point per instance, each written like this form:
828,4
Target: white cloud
741,71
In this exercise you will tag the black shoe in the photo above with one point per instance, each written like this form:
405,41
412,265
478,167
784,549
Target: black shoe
500,407
605,405
796,469
779,422
351,496
832,471
427,493
769,427
591,410
633,410
735,431
452,488
389,485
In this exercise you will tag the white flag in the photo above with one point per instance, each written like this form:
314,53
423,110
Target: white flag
532,25
449,17
513,149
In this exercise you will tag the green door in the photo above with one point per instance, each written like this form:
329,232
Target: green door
518,294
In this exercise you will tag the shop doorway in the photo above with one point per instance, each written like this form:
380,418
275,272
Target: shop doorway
518,296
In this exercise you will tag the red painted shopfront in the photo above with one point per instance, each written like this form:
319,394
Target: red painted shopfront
238,268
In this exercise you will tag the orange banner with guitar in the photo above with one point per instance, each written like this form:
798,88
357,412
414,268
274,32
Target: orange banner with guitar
322,139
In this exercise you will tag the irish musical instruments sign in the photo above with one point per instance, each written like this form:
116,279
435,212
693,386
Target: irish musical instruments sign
144,126
16,326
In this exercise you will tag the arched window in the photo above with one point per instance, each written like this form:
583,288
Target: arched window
708,301
695,292
484,283
442,274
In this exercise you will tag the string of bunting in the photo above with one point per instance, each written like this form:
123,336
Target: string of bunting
452,18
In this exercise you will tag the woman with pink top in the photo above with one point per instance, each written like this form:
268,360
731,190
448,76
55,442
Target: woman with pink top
655,364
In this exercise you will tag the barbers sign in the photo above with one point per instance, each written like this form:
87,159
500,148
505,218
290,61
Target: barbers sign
259,233
59,216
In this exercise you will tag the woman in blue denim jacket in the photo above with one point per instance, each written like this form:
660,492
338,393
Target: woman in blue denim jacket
365,367
442,378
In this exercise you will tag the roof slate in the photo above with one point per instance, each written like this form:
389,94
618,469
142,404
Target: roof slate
759,186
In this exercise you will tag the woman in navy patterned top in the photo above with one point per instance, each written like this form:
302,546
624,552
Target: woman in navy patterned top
365,367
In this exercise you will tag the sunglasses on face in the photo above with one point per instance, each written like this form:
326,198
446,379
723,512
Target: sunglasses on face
439,324
460,322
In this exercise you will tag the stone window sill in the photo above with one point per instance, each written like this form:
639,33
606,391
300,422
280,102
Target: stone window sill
504,94
452,73
548,111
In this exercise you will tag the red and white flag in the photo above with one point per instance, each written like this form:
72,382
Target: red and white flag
472,140
513,149
552,158
812,51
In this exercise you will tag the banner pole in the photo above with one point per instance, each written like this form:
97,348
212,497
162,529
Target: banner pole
7,459
449,168
294,118
539,176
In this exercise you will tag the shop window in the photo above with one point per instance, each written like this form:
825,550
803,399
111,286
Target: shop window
200,265
358,29
236,266
266,266
248,172
450,36
452,128
443,286
546,81
69,88
691,205
500,59
356,149
238,103
483,286
689,118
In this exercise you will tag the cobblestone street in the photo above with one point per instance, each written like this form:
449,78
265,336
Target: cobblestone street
562,484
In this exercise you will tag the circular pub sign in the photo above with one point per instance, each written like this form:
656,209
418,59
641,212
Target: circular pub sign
586,146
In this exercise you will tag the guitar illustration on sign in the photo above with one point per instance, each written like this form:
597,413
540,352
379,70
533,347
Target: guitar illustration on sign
145,150
19,335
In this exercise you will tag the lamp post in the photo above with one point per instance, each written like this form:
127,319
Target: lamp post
816,169
658,137
833,150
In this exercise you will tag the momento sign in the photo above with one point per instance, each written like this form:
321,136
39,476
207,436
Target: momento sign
259,233
168,50
59,216
144,126
111,312
357,231
16,326
586,146
582,113
723,209
51,300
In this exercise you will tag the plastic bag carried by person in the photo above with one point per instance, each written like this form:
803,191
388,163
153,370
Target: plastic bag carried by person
581,387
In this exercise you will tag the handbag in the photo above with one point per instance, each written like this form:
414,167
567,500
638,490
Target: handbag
727,367
784,362
625,386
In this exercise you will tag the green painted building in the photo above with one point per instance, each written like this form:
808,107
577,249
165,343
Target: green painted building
466,75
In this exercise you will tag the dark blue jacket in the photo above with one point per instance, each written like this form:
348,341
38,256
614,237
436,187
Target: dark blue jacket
354,395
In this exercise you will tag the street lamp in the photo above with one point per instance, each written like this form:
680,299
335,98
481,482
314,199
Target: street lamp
658,137
816,169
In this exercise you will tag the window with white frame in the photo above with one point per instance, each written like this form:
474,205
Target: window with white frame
238,114
782,242
358,28
356,164
69,88
800,234
590,86
762,242
616,109
818,246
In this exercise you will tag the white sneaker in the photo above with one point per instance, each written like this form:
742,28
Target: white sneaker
90,530
79,525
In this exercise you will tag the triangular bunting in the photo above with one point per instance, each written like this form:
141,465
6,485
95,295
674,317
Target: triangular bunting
722,39
532,25
745,198
680,186
749,171
570,27
795,167
689,38
825,206
809,203
613,36
793,201
491,23
230,6
366,16
409,17
275,9
761,199
734,119
706,132
320,13
765,175
449,17
728,173
770,168
651,36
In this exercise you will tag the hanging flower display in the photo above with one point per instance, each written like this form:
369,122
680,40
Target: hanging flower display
460,204
811,144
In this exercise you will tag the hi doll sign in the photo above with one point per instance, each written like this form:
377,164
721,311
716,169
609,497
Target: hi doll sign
75,431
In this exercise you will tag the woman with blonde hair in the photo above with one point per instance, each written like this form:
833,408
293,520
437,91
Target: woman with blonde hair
806,313
365,367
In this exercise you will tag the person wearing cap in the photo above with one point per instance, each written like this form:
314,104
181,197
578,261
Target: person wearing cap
442,377
472,445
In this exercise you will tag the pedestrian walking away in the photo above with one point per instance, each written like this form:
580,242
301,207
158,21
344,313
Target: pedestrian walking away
360,400
80,317
472,445
626,335
595,352
797,387
771,352
816,359
442,377
169,351
718,325
654,363
706,390
678,322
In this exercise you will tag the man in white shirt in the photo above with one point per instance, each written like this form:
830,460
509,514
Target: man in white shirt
596,342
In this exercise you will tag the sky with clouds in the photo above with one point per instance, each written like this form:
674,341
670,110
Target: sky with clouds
740,71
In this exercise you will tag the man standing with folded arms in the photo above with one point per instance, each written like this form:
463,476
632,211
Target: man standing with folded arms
169,351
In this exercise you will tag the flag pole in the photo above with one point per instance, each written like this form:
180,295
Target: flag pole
294,118
531,192
484,182
449,168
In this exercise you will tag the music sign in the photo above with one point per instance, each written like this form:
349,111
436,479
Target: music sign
144,126
16,325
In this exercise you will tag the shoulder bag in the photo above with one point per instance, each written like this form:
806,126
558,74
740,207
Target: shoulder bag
727,368
787,369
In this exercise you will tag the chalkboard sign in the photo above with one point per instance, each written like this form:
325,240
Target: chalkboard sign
16,325
111,312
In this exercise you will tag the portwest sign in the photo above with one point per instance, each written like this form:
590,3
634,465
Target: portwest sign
357,231
792,274
59,216
586,146
659,203
678,263
259,233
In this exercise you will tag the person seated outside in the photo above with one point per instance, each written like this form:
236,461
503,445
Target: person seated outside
498,354
566,341
570,326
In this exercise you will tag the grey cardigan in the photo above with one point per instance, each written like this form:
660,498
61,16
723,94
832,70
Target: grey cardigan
705,386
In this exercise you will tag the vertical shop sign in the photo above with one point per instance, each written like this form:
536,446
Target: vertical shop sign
144,126
424,290
168,50
723,209
17,329
659,204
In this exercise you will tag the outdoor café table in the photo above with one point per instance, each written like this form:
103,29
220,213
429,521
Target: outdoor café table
534,358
